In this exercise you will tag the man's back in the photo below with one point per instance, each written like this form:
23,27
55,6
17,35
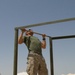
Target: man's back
34,44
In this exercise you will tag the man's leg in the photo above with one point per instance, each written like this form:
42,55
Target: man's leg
32,66
43,68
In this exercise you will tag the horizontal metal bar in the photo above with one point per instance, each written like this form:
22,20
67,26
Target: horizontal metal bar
40,34
37,33
63,37
46,23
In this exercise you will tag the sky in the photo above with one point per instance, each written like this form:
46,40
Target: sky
15,13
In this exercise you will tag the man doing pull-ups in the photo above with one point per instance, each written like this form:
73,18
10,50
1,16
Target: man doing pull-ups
35,61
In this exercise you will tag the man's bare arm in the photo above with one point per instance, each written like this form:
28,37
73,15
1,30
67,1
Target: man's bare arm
43,43
20,38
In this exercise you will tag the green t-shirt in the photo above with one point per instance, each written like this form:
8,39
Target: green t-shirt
33,44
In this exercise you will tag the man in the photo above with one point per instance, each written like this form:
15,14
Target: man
35,61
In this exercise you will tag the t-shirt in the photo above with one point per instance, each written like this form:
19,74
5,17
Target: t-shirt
33,44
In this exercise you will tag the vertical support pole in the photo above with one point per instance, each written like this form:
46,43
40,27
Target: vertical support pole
51,56
15,52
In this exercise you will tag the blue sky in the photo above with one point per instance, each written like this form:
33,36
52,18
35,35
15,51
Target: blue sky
15,13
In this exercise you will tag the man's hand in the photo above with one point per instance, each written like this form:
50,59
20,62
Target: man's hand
43,35
23,30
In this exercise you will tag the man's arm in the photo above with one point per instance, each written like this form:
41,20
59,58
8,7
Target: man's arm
20,38
43,43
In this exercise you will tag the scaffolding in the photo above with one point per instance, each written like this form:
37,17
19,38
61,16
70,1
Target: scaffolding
50,41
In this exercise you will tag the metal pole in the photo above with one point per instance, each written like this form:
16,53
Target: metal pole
46,23
51,57
40,34
63,37
15,52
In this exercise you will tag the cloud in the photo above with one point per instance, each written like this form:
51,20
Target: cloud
22,73
68,74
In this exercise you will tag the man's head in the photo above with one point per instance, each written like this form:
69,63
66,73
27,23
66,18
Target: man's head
29,32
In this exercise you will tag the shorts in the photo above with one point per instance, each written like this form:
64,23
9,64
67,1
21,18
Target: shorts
36,65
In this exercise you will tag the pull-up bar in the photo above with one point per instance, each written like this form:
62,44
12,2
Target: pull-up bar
36,33
46,23
40,34
50,40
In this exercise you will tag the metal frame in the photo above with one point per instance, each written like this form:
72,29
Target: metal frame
50,40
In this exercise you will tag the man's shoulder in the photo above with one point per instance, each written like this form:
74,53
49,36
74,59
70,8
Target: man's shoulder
34,37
